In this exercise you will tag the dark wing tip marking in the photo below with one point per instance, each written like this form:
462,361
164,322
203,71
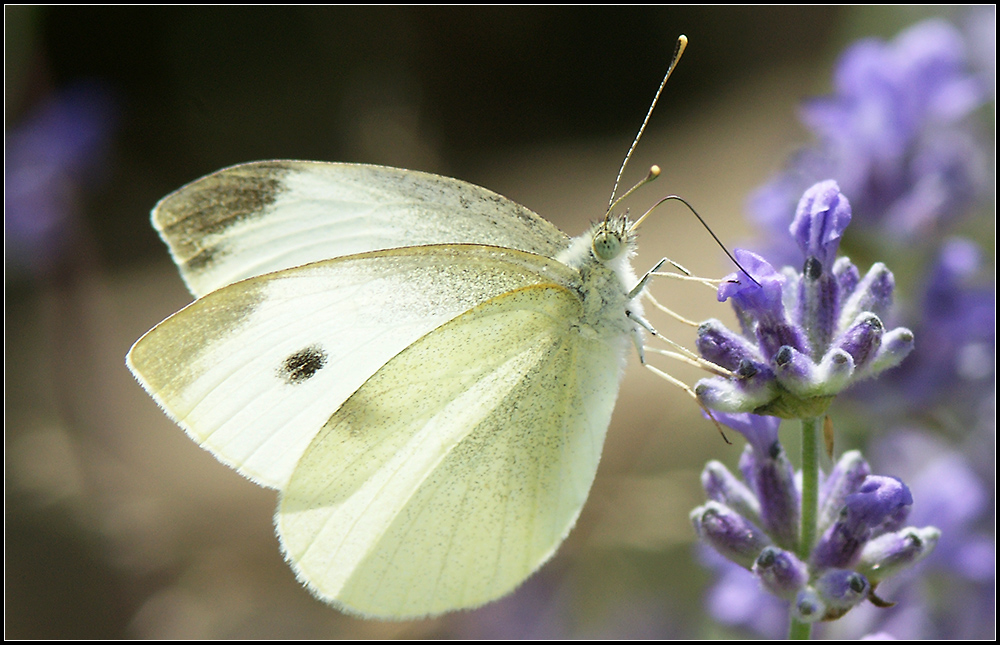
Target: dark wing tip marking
190,217
302,365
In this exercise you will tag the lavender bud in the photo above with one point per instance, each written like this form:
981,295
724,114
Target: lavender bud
808,607
879,500
841,590
760,432
799,375
834,372
896,345
889,554
845,479
862,339
780,572
795,371
819,302
873,293
737,395
772,478
722,486
847,275
820,219
724,347
732,535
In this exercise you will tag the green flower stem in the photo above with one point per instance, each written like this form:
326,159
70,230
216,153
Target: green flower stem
810,505
799,631
810,486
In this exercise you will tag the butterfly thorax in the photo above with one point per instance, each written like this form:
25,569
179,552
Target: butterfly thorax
601,256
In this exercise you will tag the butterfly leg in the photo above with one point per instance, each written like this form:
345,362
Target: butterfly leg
636,336
685,355
670,312
687,388
637,289
683,275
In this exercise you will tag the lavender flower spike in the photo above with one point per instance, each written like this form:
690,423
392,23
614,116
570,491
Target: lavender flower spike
834,594
805,336
755,525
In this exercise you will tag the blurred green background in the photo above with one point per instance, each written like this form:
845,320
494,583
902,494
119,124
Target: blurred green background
117,525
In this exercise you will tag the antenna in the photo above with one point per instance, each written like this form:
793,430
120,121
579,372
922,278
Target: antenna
682,42
654,172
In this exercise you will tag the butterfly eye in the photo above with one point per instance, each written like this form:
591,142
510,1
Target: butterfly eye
607,245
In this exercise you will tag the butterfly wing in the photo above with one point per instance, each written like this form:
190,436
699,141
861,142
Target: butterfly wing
253,371
458,468
266,216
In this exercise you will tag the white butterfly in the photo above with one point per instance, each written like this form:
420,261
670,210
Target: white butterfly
424,369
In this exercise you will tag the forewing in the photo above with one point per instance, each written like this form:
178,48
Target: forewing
266,216
253,371
457,469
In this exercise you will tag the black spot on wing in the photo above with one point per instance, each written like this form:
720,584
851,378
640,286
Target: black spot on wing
302,365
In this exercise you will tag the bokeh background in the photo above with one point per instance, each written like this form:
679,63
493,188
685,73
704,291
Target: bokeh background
116,524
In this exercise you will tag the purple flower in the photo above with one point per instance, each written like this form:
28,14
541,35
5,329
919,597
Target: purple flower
729,533
819,224
805,336
861,518
897,137
957,326
889,553
759,304
737,599
950,493
847,475
766,468
780,572
51,154
981,29
893,135
878,503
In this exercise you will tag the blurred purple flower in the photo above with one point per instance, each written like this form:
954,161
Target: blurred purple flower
893,136
736,599
981,29
957,328
950,493
52,154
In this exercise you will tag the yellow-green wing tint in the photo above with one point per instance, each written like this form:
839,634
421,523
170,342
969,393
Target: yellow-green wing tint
253,371
267,216
458,468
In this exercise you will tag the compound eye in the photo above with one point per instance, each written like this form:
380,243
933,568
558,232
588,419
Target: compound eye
607,245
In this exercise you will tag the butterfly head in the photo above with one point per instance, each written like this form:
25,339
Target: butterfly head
612,237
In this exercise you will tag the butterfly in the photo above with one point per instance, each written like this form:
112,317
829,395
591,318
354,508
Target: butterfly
423,369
